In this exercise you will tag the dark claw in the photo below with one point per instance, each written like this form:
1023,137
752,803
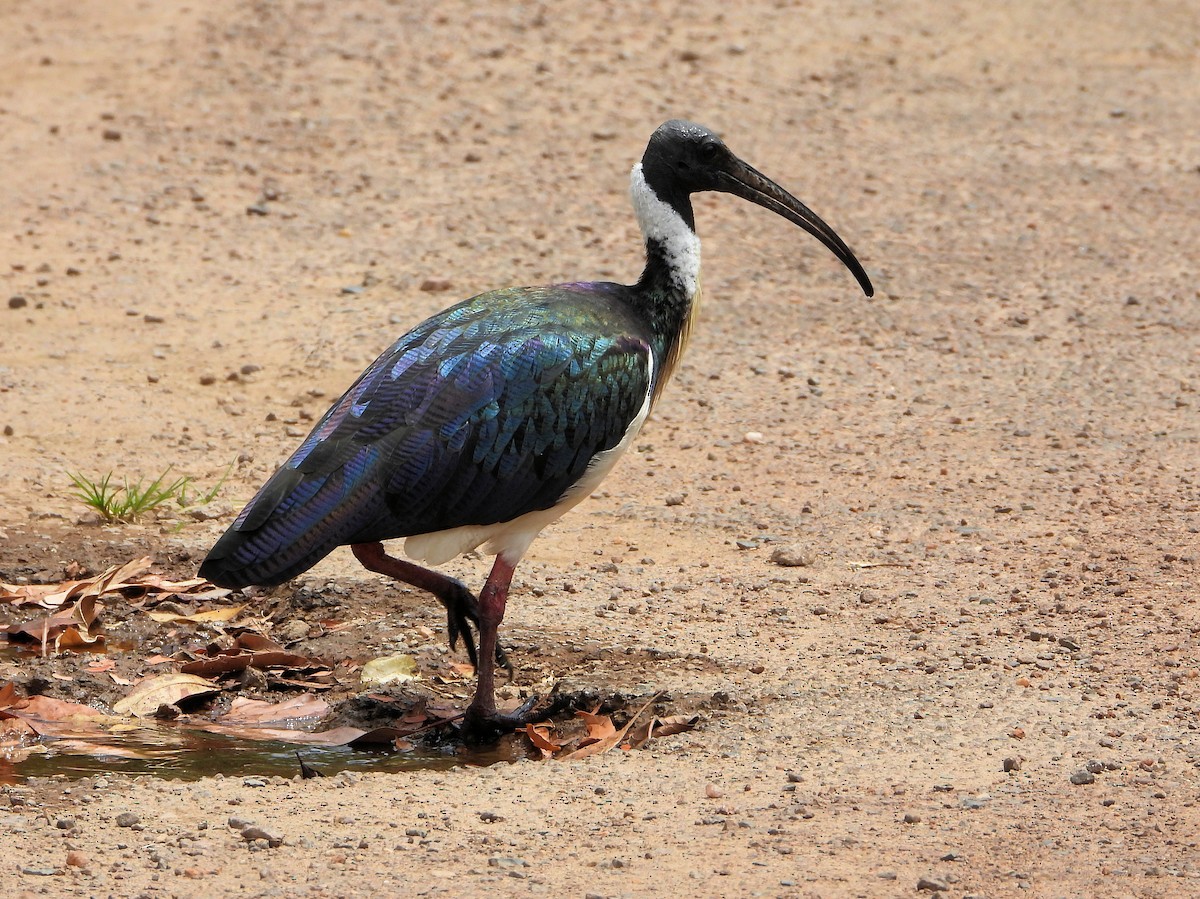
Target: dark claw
462,610
503,662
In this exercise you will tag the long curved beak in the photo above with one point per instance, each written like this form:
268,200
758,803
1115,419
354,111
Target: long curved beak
747,182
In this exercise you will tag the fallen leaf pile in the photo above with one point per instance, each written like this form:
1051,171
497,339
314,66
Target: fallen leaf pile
133,580
251,650
77,605
602,735
151,694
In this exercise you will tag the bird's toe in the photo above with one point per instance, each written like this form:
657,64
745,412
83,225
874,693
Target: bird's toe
482,728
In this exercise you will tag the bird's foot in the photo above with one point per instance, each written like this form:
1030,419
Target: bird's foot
483,727
462,610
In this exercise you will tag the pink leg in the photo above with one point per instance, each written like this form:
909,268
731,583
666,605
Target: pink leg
491,612
459,602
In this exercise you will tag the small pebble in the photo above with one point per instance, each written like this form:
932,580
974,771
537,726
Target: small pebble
1079,778
931,886
501,861
1012,764
910,818
17,302
254,832
76,859
436,285
211,512
127,819
712,791
793,556
291,631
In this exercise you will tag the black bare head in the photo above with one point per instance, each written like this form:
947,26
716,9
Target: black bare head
683,158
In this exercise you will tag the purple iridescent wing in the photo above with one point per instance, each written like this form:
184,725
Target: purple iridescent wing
485,412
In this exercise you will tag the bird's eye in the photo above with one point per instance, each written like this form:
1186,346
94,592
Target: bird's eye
707,151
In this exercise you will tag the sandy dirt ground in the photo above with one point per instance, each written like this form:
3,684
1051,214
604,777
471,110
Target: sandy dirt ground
984,680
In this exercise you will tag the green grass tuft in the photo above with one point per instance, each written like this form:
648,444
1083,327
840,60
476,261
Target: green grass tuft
127,502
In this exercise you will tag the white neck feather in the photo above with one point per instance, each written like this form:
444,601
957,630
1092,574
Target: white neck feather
662,224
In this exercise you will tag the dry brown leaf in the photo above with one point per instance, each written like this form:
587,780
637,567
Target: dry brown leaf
111,580
58,718
41,629
271,659
74,638
257,713
163,689
599,727
539,736
676,724
8,695
252,642
660,727
208,616
640,736
132,580
607,743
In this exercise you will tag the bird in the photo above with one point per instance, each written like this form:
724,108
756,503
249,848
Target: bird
493,418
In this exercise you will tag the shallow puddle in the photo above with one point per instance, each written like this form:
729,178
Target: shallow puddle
188,754
83,741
